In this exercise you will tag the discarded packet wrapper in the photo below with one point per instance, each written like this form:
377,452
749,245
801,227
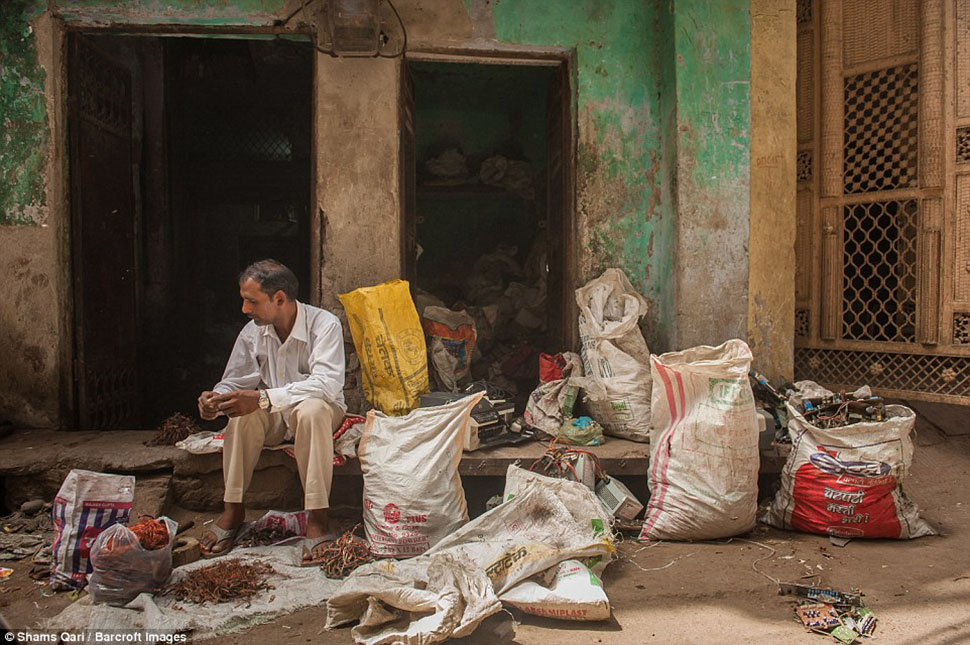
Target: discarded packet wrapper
828,596
5,572
818,615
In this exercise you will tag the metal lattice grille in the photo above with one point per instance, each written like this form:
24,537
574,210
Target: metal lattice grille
946,375
881,130
961,328
802,323
112,398
804,12
804,165
244,142
879,271
963,145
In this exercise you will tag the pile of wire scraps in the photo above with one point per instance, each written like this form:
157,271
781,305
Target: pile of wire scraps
342,556
265,536
152,534
174,429
574,464
840,410
226,580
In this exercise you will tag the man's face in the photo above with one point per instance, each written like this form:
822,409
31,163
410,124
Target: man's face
261,308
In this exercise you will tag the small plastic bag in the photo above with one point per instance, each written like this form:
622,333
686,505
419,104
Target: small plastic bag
123,568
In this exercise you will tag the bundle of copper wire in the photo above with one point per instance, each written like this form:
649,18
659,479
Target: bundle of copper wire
226,580
342,556
152,534
173,429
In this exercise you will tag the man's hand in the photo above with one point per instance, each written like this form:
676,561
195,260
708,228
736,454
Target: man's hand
207,409
238,403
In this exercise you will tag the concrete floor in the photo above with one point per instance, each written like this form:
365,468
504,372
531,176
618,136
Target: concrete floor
721,592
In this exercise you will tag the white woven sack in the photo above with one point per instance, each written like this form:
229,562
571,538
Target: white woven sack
412,492
704,460
615,355
86,504
848,481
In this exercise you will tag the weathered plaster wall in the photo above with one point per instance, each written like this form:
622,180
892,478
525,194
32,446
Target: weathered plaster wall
713,124
771,249
357,173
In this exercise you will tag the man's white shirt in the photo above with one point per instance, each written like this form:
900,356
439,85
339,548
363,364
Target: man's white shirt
309,364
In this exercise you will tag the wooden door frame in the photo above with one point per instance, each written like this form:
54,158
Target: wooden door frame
559,59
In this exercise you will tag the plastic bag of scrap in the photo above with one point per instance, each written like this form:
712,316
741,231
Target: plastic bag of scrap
583,431
451,339
704,460
86,504
847,481
615,355
413,495
569,591
129,561
390,345
552,402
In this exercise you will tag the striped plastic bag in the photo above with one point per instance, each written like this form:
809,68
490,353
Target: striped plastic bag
703,475
86,504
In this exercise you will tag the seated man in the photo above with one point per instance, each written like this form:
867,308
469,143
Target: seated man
284,379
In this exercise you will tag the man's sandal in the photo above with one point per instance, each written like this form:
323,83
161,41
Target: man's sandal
223,536
309,544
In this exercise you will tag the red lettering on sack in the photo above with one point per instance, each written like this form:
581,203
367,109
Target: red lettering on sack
814,511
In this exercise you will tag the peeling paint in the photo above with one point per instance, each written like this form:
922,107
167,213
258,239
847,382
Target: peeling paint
23,116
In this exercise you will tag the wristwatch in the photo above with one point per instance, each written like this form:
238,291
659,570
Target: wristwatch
264,402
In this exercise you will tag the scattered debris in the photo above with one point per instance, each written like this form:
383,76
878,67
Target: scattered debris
846,625
32,521
345,554
265,536
174,429
5,572
16,546
230,579
818,594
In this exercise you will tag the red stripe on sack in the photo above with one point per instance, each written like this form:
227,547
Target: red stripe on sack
661,464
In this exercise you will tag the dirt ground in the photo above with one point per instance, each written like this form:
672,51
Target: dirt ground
716,592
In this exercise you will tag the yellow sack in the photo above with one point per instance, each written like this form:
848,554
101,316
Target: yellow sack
390,345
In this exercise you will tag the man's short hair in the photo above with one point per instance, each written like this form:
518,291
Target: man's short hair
272,276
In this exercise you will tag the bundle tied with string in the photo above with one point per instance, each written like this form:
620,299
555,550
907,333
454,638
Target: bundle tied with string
565,462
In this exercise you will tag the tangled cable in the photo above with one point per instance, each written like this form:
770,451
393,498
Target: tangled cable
560,461
342,556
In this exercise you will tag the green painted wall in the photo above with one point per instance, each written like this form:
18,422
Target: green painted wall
625,219
713,63
24,134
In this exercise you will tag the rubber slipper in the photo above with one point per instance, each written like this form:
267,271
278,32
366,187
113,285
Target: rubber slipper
309,544
222,535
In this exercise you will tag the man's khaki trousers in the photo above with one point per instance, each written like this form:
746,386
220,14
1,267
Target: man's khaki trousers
313,422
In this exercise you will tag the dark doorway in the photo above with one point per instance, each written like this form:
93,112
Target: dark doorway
489,222
219,176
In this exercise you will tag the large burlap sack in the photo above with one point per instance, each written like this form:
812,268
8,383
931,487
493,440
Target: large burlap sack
413,495
848,481
704,460
615,355
390,345
86,504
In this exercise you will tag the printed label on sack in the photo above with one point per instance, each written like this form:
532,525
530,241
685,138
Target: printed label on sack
837,495
395,532
726,393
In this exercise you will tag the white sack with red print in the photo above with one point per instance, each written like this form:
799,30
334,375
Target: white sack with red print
412,492
703,475
848,481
